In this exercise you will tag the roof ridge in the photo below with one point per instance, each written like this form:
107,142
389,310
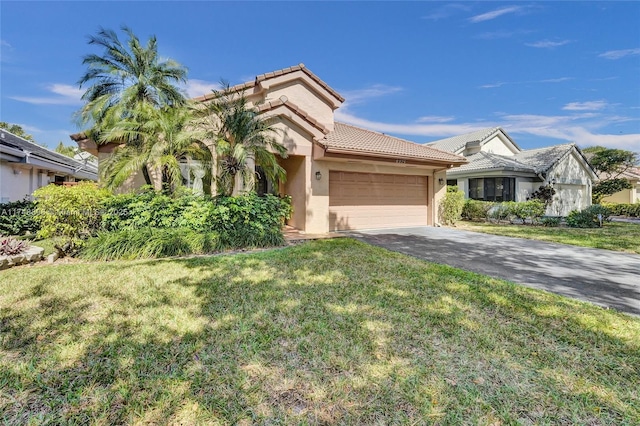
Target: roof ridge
277,73
394,137
269,105
38,146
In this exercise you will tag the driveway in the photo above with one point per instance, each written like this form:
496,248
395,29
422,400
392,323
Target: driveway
603,277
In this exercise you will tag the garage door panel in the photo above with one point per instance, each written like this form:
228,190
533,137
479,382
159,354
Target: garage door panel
369,200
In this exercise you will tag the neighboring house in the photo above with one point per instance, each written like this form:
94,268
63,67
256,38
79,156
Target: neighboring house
499,170
26,166
339,176
627,195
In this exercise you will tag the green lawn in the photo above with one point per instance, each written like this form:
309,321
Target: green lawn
332,331
616,236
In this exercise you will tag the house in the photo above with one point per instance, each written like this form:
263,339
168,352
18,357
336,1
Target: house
339,176
631,195
499,170
26,166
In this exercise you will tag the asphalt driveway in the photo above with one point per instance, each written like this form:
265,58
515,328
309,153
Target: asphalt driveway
603,277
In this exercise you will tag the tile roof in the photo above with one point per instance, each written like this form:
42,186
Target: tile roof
533,160
10,140
349,138
300,67
267,106
273,74
542,159
457,143
485,161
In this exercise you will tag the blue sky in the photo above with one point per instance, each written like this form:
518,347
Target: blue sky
547,72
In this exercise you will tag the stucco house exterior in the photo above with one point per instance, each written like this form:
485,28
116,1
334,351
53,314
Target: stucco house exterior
26,166
499,170
629,196
340,177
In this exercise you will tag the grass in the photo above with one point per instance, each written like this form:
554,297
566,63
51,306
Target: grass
618,236
331,331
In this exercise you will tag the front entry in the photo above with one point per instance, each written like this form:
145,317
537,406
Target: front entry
373,200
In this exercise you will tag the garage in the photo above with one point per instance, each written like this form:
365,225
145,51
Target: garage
373,200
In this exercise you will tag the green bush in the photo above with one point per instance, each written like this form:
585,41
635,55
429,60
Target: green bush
69,211
17,218
476,210
150,208
500,211
149,243
250,220
523,210
550,221
588,218
630,210
451,206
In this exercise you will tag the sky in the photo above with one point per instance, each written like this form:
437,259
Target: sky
546,72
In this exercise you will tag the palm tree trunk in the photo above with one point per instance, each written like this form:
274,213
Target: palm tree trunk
145,173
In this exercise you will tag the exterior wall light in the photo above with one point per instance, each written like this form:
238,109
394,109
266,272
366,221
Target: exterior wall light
441,181
318,175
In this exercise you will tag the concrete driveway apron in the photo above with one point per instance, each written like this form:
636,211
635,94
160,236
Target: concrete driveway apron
606,278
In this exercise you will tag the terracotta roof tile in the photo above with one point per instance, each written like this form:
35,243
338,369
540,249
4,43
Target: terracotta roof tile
273,74
296,109
355,139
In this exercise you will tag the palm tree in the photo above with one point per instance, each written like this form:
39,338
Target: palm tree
165,137
124,77
241,134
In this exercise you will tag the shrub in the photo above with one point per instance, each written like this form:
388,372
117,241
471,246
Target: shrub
250,220
523,210
500,211
630,210
10,246
17,218
476,210
451,206
71,212
149,243
588,218
550,221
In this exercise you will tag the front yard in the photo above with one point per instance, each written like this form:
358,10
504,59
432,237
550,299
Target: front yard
618,236
331,331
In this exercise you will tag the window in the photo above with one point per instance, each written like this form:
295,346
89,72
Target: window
492,189
452,182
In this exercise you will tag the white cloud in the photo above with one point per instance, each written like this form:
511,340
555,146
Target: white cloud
435,119
548,44
5,43
494,14
374,91
582,125
617,54
65,94
195,88
585,106
445,11
556,80
503,83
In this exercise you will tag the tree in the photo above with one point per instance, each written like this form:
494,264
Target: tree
16,130
610,164
63,149
122,79
165,137
241,134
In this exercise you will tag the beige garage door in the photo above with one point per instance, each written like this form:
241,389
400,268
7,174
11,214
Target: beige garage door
370,200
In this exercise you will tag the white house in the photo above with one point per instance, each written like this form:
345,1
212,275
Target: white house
499,170
26,166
